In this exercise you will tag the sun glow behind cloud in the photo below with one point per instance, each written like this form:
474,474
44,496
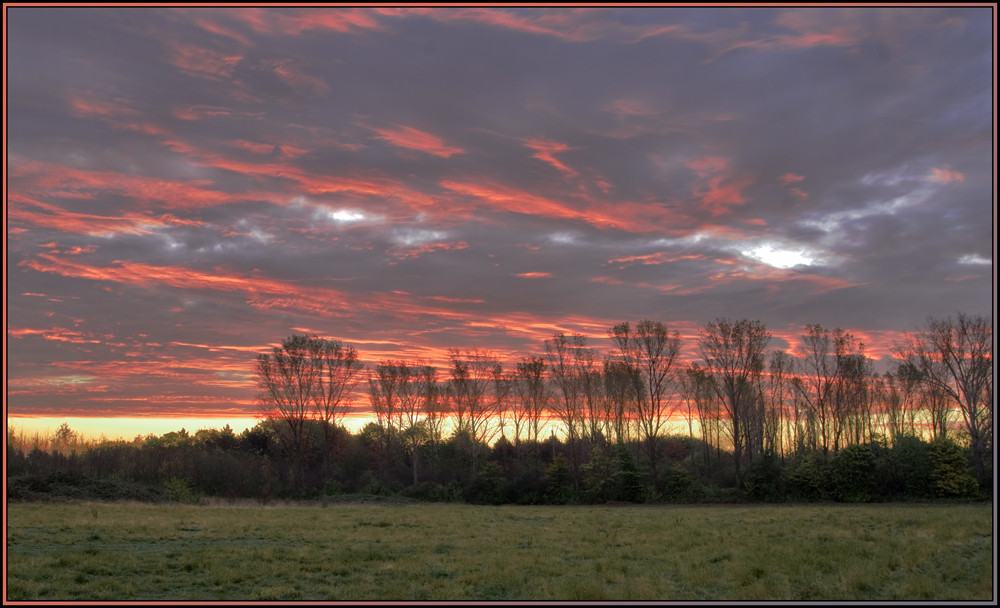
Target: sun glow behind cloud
779,258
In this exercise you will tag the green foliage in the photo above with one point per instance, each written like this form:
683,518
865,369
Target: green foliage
219,464
627,477
907,472
809,477
488,487
179,490
677,482
853,473
951,476
559,488
599,476
764,480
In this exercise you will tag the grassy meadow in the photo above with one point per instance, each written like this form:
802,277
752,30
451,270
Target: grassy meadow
132,551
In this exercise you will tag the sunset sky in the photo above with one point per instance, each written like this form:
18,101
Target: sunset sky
188,186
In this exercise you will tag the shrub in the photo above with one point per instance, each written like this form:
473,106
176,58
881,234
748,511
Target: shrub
950,474
853,473
677,483
488,487
765,479
808,477
559,482
627,478
179,490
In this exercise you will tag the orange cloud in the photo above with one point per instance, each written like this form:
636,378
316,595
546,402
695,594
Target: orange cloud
571,25
633,107
419,250
413,139
292,296
295,77
198,61
807,29
707,165
601,214
533,275
723,193
544,151
660,257
52,216
297,20
718,190
52,179
945,176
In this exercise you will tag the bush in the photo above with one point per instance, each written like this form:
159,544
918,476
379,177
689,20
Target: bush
765,479
627,478
950,474
853,473
559,482
488,487
909,469
599,477
677,483
808,476
179,490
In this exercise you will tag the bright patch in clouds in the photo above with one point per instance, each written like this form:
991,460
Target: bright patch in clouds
779,258
345,215
974,259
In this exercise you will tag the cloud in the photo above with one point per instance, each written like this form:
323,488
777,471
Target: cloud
188,186
945,176
414,139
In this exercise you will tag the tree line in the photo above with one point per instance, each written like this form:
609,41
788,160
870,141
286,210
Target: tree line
572,424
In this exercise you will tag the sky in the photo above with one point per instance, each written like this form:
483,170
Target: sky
188,186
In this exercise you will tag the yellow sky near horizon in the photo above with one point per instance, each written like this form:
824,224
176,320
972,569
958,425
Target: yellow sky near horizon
129,428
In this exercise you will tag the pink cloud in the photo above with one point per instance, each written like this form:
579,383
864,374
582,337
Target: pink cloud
545,150
633,107
533,275
723,192
806,29
791,178
945,176
717,189
295,77
297,20
707,165
419,250
414,139
572,25
202,62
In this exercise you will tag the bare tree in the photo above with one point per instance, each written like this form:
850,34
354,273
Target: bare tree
475,378
734,358
778,395
625,392
567,356
700,386
337,372
288,380
531,398
955,356
652,349
830,361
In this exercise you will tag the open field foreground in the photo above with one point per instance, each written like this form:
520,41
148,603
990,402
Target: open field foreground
127,551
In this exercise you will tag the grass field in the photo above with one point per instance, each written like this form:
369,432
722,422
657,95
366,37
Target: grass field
96,551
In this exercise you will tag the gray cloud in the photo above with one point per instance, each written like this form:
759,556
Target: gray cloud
188,186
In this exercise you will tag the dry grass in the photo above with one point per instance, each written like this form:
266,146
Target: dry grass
137,552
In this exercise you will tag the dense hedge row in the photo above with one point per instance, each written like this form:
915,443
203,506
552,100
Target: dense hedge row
256,464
